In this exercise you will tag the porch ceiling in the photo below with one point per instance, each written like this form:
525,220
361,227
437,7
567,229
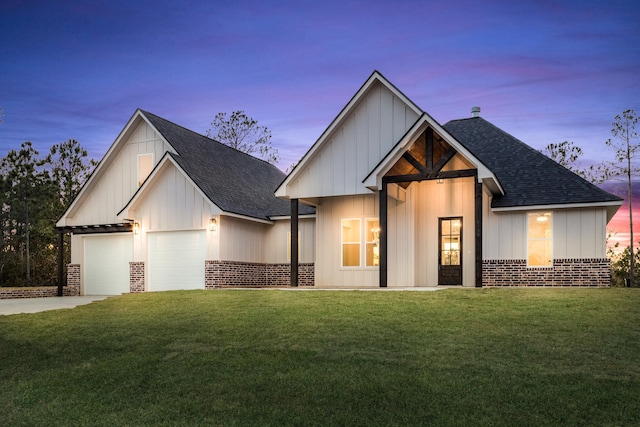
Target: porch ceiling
417,161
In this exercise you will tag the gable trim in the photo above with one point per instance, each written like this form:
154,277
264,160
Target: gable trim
376,76
98,169
166,159
373,181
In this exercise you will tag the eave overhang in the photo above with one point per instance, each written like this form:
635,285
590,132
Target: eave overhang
611,207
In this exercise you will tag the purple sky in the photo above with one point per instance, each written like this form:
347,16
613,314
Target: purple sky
545,71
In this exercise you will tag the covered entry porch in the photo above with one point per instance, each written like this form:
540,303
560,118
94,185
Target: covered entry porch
443,191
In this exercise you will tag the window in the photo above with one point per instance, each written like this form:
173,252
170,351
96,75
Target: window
372,233
350,243
450,244
145,166
539,239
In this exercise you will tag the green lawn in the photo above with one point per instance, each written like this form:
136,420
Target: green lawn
524,357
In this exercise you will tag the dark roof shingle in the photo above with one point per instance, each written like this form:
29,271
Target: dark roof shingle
528,177
235,181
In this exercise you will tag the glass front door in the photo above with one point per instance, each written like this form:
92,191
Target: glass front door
450,251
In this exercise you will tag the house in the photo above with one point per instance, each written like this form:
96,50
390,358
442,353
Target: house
386,197
404,201
167,208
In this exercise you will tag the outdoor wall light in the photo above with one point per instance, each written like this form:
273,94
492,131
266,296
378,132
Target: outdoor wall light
440,181
213,224
136,228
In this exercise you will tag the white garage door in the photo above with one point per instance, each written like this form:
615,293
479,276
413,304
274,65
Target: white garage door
106,264
176,260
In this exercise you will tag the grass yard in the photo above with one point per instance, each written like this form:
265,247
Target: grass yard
526,357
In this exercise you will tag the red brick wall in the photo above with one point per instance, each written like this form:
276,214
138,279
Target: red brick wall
136,276
36,292
232,273
72,289
593,272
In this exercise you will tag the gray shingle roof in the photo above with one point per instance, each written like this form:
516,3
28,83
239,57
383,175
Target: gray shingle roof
235,181
528,177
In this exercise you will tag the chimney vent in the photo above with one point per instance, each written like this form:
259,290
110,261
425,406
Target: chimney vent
475,111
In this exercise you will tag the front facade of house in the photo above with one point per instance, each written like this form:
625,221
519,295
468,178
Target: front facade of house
402,201
387,197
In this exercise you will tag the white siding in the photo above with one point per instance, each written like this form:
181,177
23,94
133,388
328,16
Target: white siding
173,204
328,270
277,238
504,234
401,240
242,240
577,233
118,178
412,235
355,146
452,198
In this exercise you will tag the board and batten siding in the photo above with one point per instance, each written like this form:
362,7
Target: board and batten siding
355,147
329,215
173,203
242,240
277,241
577,233
412,234
451,198
119,181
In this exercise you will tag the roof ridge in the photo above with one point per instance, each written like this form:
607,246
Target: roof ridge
208,138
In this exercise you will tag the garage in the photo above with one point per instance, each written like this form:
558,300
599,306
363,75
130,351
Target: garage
176,260
106,266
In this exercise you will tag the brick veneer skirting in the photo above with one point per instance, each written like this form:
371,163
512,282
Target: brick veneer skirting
136,276
231,273
37,292
593,272
72,288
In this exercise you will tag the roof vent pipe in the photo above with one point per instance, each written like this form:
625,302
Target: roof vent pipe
475,111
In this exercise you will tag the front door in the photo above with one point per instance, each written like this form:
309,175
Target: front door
450,251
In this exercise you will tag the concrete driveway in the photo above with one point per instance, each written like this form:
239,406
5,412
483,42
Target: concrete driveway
36,305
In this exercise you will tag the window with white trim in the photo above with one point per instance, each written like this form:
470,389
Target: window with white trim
350,242
145,166
539,239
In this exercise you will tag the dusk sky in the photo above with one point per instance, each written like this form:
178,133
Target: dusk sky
544,71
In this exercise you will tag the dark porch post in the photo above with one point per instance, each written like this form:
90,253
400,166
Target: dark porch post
478,227
294,242
60,262
383,235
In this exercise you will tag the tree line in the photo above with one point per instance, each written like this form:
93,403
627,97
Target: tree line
35,190
626,148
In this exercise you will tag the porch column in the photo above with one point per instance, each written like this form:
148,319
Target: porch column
383,235
478,228
60,262
294,242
